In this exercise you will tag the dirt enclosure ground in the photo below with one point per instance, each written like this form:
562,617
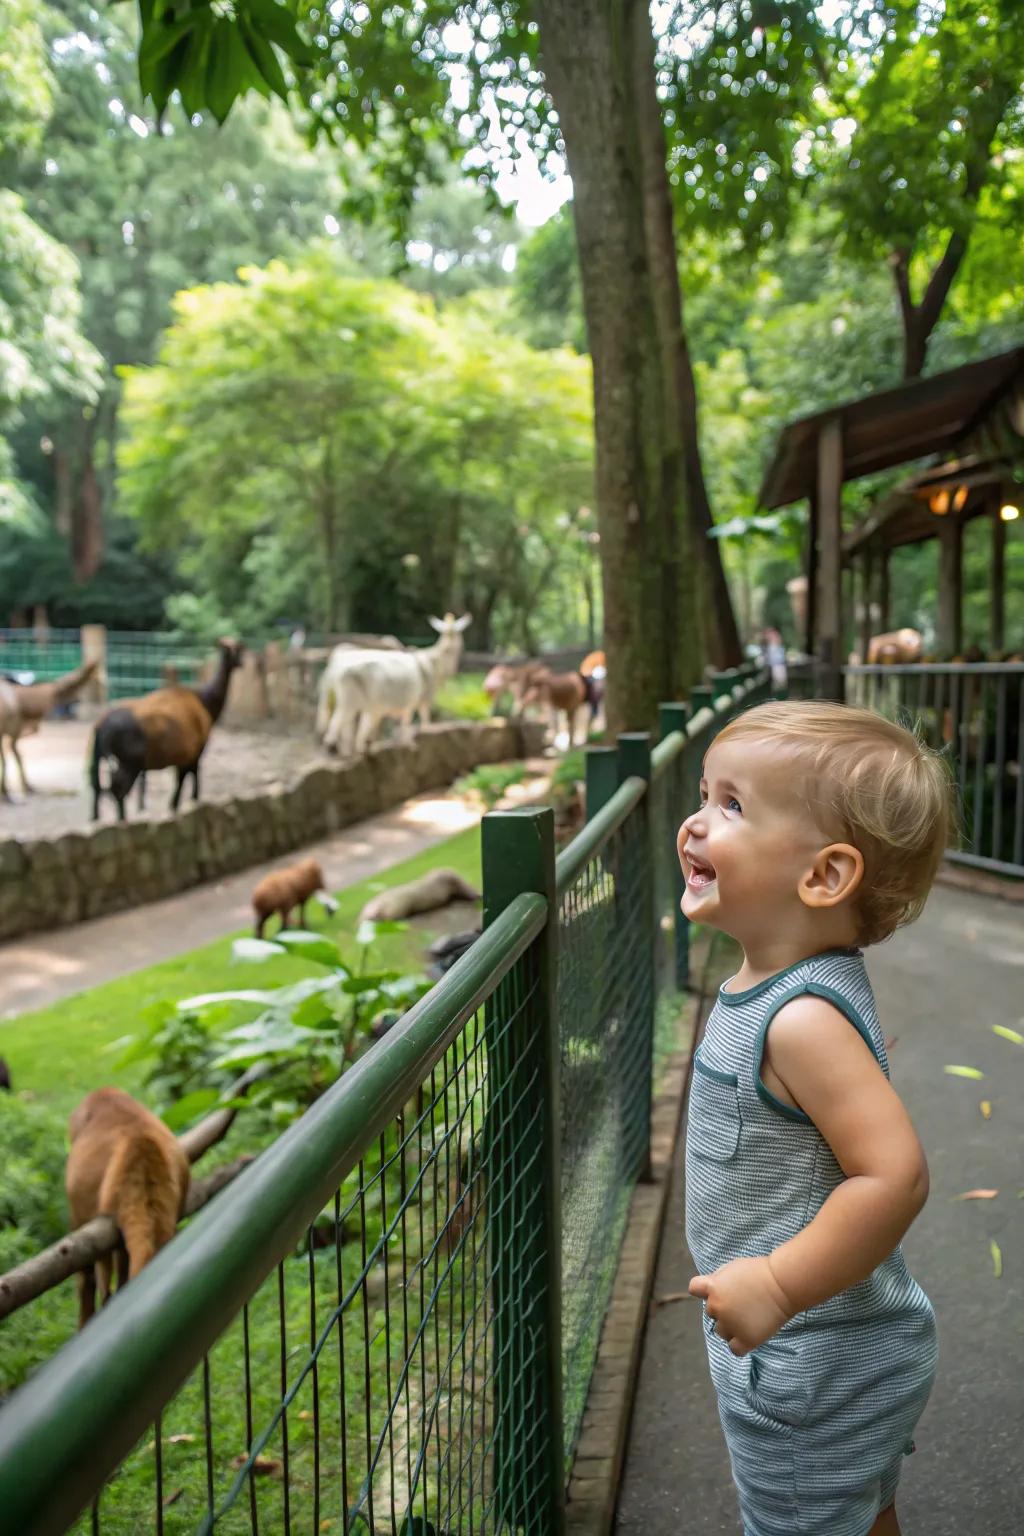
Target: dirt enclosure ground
236,762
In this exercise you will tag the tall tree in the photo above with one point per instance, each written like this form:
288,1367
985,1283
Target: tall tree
516,54
903,117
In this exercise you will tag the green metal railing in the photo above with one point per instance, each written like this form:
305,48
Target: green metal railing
136,663
388,1323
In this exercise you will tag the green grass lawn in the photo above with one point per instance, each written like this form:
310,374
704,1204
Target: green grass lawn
60,1053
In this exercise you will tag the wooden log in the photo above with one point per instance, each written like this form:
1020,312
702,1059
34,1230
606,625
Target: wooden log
195,1142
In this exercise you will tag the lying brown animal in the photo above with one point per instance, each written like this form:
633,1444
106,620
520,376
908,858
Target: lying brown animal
126,1164
899,647
285,889
435,889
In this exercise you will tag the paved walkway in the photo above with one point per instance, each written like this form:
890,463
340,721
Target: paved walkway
940,985
41,969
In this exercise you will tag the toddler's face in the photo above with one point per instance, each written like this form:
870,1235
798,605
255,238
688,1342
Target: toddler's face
744,851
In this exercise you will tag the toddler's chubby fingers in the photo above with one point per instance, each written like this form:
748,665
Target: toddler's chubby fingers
700,1285
739,1347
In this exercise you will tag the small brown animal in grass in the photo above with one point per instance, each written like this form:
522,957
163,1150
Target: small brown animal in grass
285,889
126,1164
435,889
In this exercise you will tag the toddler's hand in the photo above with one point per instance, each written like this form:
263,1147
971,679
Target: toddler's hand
746,1302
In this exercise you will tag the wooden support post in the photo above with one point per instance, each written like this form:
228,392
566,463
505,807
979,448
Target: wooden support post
830,569
811,609
883,592
867,570
997,592
950,587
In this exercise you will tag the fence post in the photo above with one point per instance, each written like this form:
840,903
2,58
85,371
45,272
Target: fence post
524,1061
674,717
602,777
723,683
701,697
94,648
638,881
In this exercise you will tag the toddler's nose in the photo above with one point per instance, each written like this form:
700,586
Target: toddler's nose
691,827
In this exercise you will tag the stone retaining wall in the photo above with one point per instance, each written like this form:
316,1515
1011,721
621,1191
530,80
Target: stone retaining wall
53,882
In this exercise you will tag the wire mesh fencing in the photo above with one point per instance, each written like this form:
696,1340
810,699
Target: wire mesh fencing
974,714
389,1322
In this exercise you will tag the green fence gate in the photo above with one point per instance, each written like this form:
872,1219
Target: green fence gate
388,1323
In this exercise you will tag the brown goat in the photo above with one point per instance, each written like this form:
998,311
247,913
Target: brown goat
23,707
126,1164
285,889
165,729
566,693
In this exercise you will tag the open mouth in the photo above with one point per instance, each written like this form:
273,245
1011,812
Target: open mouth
699,873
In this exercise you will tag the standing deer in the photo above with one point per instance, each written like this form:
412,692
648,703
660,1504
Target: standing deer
23,707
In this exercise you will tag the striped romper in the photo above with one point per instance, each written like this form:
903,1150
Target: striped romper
817,1420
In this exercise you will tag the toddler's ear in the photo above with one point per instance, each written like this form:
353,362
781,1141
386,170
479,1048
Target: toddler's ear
834,876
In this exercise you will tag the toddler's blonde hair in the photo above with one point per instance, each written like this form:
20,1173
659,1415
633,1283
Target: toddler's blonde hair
876,785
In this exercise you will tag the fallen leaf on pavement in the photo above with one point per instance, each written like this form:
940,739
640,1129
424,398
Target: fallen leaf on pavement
963,1072
977,1194
1013,1035
997,1259
986,1109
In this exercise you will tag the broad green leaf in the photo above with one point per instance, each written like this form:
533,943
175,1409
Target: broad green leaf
314,1013
242,995
1013,1035
185,1110
310,946
964,1072
254,950
227,68
264,58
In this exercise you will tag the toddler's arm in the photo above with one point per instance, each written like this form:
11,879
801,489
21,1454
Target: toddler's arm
832,1075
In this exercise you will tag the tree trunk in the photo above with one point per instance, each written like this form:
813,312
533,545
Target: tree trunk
648,577
682,437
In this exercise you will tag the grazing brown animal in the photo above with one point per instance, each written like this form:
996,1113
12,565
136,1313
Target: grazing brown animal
285,889
23,707
566,694
165,729
126,1164
899,647
435,889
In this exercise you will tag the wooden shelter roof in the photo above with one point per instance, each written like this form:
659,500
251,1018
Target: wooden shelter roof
909,515
893,426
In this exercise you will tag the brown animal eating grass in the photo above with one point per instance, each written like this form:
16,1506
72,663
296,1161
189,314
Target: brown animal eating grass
126,1164
285,889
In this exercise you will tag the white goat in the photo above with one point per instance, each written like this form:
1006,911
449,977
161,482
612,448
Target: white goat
360,688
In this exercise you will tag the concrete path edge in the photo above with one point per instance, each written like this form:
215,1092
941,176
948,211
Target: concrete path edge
600,1455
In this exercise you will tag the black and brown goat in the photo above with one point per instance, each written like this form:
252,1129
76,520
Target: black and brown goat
165,729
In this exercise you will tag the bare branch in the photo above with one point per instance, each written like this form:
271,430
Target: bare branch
197,1141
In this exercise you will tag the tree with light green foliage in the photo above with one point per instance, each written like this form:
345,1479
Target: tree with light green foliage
334,449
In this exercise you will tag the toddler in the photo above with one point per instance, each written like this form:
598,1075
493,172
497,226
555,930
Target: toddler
819,831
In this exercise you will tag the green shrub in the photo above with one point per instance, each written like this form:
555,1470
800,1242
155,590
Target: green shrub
463,698
33,1211
491,781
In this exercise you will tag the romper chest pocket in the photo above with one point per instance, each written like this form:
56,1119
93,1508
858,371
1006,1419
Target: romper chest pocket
713,1130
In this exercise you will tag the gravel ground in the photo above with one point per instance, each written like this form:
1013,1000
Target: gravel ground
235,761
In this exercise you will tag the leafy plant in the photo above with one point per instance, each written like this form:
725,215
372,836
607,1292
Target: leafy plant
491,781
308,1030
463,698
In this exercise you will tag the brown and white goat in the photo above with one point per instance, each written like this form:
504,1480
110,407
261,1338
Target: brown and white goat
23,707
165,729
285,889
126,1164
566,694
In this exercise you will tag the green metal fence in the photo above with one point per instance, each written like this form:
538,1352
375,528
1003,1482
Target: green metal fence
136,662
388,1323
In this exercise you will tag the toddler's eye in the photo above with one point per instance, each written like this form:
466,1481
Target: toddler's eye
732,804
